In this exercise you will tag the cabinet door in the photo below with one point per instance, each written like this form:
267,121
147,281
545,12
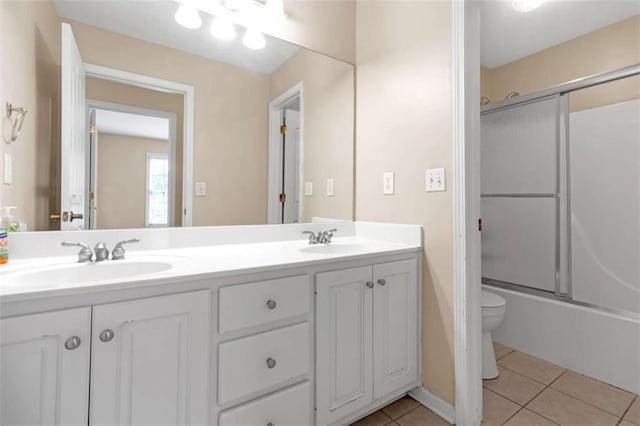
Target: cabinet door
395,326
150,361
42,382
343,343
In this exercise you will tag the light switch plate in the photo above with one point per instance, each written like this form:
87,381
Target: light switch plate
8,168
308,189
388,185
435,180
201,189
330,187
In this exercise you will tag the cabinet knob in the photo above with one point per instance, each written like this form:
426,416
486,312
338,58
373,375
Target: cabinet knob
271,304
270,424
72,343
370,284
106,335
382,281
271,362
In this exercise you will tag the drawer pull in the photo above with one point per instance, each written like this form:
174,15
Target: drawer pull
270,424
369,284
106,335
382,281
72,343
271,304
271,362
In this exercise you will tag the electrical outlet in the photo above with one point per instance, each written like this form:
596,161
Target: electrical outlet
388,185
435,180
8,168
330,187
308,189
201,189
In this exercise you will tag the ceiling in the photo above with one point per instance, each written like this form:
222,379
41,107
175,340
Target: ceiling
152,21
507,35
126,124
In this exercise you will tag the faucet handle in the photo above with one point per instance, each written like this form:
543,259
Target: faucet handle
329,234
313,239
101,251
118,250
84,255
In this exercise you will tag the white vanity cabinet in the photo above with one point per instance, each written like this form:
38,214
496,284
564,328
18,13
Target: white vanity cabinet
149,364
44,368
367,336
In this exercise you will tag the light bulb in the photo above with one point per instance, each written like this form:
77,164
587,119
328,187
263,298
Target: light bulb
222,28
275,11
188,17
253,39
526,5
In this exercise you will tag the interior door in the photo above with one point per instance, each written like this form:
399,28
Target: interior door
44,368
92,202
343,343
395,326
150,361
73,150
291,167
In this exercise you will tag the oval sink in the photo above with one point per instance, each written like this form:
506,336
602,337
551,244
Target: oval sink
88,272
332,248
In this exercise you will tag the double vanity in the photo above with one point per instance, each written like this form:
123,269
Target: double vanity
246,325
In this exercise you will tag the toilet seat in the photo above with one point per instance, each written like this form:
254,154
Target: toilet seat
491,300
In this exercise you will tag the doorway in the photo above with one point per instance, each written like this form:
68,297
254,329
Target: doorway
286,119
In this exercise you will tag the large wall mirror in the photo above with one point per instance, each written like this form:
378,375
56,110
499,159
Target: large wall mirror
134,120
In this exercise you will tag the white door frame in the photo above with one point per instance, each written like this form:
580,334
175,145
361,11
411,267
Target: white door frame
466,203
151,156
173,120
274,212
188,92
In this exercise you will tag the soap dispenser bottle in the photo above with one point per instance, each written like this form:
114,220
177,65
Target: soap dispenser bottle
4,244
9,223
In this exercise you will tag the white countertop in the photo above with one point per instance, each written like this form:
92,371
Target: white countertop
17,283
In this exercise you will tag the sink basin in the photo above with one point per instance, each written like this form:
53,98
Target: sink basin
332,248
87,272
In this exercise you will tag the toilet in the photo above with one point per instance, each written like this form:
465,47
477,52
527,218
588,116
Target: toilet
493,308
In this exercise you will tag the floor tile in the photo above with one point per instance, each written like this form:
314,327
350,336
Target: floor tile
566,410
594,392
532,367
496,409
633,415
626,423
422,416
528,418
514,386
400,407
501,350
376,419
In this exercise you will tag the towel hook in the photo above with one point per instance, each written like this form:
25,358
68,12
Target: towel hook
16,124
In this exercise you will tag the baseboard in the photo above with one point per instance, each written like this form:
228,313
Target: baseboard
433,403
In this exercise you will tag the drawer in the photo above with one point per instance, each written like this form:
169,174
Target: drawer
290,407
255,363
249,305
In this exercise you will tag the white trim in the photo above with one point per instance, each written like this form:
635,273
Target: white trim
274,168
433,403
111,106
188,92
170,207
466,205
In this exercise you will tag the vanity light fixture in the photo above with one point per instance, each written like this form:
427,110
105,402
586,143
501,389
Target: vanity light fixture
526,5
222,28
188,17
253,39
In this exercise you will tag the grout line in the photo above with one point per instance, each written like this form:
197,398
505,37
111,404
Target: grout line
627,410
402,415
513,415
590,404
535,380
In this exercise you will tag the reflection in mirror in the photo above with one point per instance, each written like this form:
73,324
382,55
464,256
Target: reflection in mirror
136,121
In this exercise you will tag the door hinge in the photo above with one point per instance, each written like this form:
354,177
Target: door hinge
283,197
283,129
92,129
480,224
91,195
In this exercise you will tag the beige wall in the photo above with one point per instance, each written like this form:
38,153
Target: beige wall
122,174
607,49
403,124
230,152
29,77
109,91
328,129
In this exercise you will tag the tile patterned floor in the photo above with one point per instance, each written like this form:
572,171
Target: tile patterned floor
529,392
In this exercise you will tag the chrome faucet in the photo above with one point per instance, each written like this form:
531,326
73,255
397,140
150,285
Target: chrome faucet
84,255
323,237
101,251
118,251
